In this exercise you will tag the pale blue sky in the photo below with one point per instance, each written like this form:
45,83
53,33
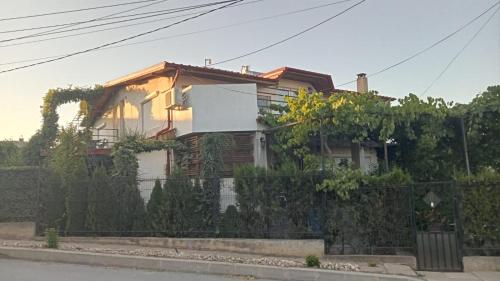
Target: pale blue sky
366,39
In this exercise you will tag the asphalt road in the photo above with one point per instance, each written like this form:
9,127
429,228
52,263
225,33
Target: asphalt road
19,270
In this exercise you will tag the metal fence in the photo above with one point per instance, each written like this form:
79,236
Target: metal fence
371,220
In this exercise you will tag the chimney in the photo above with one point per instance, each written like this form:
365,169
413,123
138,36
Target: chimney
245,69
362,83
208,62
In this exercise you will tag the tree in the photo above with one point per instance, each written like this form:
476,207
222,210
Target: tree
10,154
483,129
68,161
155,209
348,116
426,137
101,202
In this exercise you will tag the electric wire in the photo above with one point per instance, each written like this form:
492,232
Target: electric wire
289,37
122,40
137,16
459,53
175,35
427,48
74,11
91,20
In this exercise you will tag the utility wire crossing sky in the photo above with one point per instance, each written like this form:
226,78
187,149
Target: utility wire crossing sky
441,48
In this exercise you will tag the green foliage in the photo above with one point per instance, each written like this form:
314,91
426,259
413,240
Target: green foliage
174,210
346,116
100,207
250,184
481,206
52,238
274,202
68,161
155,208
426,133
342,182
44,139
124,152
10,154
230,223
212,149
181,203
131,212
426,136
395,177
18,189
483,129
312,261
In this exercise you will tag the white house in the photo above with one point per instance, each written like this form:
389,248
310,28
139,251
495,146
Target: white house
176,101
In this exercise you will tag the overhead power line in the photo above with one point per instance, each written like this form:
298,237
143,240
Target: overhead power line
149,15
122,40
91,20
187,14
427,48
146,15
271,17
95,31
289,37
459,52
74,11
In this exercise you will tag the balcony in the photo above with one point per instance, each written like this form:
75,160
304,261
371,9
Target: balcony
102,141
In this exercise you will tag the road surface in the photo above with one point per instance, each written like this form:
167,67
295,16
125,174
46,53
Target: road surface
19,270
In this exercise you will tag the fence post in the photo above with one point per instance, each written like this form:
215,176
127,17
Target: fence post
457,211
38,205
413,222
324,206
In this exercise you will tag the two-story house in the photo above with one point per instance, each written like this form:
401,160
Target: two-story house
177,101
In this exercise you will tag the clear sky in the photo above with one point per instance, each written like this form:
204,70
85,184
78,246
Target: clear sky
366,39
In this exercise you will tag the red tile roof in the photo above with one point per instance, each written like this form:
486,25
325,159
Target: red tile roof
169,66
321,82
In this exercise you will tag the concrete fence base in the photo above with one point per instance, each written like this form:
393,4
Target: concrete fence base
194,266
479,263
274,247
410,261
17,230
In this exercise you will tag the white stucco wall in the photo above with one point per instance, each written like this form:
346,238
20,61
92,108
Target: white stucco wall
151,166
218,108
129,111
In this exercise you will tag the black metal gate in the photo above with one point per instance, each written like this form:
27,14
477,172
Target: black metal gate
437,227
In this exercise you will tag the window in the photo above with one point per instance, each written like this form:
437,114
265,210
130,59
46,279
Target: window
286,92
264,102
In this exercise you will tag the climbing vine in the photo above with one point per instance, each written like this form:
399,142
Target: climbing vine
124,152
45,137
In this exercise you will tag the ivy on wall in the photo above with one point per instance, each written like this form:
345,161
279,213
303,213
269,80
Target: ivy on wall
124,152
44,138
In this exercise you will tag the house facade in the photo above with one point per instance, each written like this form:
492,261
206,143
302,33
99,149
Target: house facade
177,101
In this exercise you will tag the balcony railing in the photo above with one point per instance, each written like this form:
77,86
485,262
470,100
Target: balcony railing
104,138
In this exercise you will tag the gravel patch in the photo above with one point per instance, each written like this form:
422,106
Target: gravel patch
180,254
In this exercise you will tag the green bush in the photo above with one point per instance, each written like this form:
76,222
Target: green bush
394,177
52,238
481,205
155,208
18,193
312,261
230,223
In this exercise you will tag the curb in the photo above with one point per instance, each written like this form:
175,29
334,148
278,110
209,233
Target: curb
194,266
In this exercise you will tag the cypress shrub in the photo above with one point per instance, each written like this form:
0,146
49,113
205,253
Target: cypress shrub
230,223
